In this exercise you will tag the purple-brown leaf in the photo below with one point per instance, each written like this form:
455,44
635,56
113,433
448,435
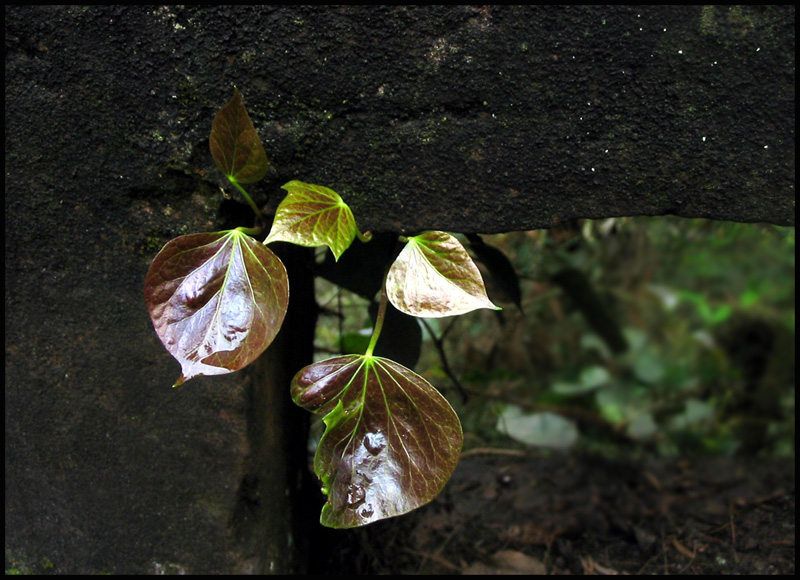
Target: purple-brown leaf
216,301
235,145
391,440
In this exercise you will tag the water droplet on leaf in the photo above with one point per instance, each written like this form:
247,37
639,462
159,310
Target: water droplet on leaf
374,442
355,495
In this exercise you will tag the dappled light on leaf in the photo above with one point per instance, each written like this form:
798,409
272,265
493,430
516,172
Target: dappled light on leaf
391,440
235,145
216,301
434,276
311,216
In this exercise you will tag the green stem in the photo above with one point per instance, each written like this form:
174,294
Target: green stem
247,198
376,332
252,232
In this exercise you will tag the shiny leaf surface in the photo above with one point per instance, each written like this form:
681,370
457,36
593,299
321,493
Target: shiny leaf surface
391,440
216,301
313,215
235,145
434,276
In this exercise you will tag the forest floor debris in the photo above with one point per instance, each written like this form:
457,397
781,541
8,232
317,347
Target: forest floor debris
506,514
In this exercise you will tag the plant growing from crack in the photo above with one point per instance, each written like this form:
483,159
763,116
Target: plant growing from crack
217,301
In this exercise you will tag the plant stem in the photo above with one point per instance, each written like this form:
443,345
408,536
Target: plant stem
376,332
247,198
439,344
252,232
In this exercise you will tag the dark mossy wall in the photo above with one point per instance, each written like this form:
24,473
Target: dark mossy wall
468,119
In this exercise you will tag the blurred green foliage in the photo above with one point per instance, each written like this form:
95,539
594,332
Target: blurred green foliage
706,310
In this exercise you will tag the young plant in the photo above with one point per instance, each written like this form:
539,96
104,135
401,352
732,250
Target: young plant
217,301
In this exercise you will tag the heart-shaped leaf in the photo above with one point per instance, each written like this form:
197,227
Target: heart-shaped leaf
235,145
391,440
434,276
216,301
313,215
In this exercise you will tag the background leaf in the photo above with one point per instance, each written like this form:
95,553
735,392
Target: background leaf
235,145
434,276
216,301
391,440
541,429
362,269
313,215
499,276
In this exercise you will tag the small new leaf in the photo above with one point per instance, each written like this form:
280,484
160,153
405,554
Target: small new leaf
311,216
391,440
216,301
235,145
434,277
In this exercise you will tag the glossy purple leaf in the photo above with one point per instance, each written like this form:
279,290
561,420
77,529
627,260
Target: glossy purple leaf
311,216
216,301
391,440
434,276
235,145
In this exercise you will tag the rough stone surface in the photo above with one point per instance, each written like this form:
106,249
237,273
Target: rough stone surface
469,119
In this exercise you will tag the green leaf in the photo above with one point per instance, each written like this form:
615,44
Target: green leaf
591,378
235,145
313,215
434,276
391,440
648,367
216,301
542,429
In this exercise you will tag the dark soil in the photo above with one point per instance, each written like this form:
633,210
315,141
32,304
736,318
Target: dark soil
508,513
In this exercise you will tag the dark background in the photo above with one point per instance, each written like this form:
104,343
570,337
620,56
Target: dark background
465,119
